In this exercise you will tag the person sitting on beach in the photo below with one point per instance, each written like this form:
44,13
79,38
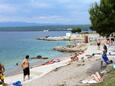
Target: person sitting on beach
25,66
52,61
2,70
94,78
74,58
97,77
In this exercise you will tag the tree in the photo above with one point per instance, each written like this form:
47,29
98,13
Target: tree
74,30
102,17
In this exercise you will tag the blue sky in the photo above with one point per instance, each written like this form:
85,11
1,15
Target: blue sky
46,11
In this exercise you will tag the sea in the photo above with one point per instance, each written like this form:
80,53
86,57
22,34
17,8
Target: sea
14,45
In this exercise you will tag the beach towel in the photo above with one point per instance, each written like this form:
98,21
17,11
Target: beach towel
17,83
89,81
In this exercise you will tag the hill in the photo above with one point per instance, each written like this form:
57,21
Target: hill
22,26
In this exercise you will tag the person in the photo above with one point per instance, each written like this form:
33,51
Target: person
97,76
98,43
94,78
105,49
2,70
104,57
16,64
25,65
75,57
112,41
108,41
51,61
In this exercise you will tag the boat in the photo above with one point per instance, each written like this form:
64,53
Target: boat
45,30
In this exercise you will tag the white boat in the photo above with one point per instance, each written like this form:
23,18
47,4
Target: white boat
45,30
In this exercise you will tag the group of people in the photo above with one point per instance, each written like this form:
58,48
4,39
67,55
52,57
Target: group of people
75,57
25,66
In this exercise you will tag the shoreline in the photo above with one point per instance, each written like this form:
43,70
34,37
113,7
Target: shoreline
72,74
44,75
18,70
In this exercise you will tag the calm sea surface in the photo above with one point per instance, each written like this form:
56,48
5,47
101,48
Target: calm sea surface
15,45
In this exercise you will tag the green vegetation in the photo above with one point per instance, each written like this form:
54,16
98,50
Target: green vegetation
74,30
108,81
102,17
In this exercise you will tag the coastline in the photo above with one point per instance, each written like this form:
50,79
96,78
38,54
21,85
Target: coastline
72,74
65,61
69,75
18,70
44,75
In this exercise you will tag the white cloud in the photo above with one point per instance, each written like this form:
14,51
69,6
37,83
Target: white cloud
40,5
58,11
46,17
7,8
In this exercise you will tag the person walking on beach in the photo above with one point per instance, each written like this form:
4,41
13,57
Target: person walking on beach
104,56
25,66
2,70
98,43
105,48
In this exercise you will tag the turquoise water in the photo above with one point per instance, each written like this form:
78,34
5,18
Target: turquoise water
14,46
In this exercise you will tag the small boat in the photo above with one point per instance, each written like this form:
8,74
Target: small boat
45,30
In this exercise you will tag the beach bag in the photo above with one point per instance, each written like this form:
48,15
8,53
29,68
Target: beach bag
17,83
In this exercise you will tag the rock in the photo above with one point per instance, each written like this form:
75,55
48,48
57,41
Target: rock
64,49
79,48
39,57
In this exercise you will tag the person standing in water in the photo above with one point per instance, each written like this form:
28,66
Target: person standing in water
2,70
26,69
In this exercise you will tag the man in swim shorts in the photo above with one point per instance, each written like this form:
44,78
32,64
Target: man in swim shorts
2,69
25,66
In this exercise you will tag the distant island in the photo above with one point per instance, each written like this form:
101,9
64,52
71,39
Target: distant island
22,26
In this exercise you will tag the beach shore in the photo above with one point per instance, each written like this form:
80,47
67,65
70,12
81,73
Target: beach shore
69,75
63,73
72,74
18,70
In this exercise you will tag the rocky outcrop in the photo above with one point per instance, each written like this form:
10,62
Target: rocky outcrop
68,49
60,38
53,38
39,57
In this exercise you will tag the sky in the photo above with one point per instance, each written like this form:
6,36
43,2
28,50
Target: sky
46,11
